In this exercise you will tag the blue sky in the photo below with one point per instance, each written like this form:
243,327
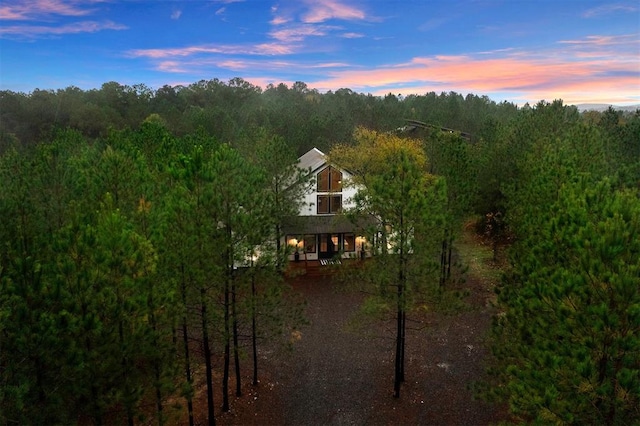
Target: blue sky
509,50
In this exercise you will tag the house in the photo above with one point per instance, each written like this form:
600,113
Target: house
320,231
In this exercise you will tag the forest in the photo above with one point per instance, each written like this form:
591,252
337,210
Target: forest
140,239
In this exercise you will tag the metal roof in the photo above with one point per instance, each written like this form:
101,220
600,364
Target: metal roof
312,159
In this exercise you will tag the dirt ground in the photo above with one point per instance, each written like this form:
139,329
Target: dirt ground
339,376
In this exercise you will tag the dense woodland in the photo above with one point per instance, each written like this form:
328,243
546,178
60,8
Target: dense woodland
126,212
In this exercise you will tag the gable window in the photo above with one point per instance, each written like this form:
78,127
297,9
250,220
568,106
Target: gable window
329,203
329,180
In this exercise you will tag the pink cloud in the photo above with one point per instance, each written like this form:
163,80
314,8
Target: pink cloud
172,67
609,9
201,65
297,33
256,49
352,35
233,65
279,17
535,78
34,31
279,20
497,51
569,68
320,11
36,9
273,49
599,40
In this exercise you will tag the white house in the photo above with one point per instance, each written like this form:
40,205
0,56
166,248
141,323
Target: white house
320,231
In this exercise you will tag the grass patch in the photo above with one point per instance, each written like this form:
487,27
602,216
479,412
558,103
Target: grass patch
477,255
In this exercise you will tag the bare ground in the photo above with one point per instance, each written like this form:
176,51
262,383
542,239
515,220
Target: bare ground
339,376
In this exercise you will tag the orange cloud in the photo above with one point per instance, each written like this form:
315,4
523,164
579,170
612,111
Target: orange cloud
531,78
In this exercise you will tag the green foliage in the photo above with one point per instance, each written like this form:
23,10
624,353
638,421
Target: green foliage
568,341
74,308
409,207
450,156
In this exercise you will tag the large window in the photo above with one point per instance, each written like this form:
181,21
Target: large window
329,203
349,242
329,180
310,243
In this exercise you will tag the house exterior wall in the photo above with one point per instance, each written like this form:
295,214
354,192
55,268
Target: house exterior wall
310,208
328,238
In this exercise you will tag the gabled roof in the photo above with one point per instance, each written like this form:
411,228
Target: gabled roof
313,159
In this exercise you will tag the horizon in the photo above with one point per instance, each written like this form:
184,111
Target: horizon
583,51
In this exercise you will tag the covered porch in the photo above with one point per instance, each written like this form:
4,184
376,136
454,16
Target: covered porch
324,238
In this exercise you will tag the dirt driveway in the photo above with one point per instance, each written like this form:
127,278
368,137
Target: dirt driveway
338,376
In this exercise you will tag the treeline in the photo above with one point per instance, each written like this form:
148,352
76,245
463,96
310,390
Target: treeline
229,112
132,266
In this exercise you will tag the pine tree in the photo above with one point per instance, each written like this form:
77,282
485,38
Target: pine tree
409,205
568,341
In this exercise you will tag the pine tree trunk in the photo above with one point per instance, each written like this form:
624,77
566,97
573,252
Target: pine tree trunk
185,341
156,360
279,265
398,362
450,249
404,343
207,358
156,371
443,261
227,338
125,369
98,411
95,406
400,315
254,337
403,317
236,349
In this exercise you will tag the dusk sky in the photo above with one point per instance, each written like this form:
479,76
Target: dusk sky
509,50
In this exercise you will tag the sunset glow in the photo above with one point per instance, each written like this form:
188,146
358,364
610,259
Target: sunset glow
578,51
